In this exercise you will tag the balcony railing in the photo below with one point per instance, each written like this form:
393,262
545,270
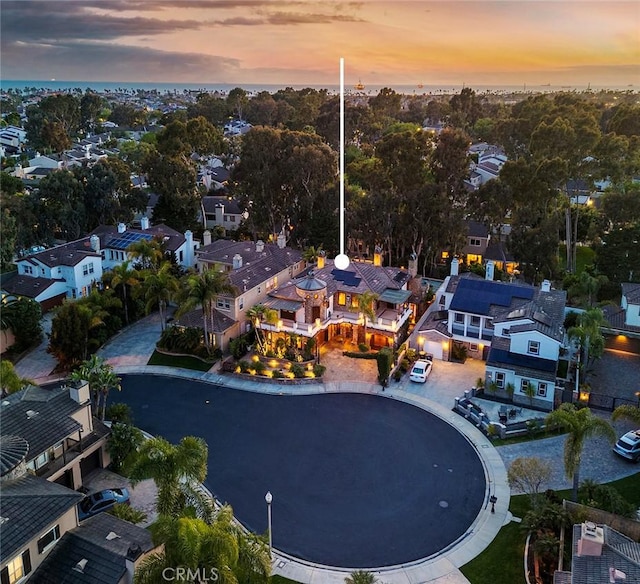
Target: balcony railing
382,322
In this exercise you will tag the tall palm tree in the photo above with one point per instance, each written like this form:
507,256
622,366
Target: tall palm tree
367,306
158,289
218,547
102,379
588,335
125,276
10,381
203,290
174,468
360,577
580,424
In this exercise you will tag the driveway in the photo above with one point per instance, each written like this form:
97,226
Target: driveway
616,374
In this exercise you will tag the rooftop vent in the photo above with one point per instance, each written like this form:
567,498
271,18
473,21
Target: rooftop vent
31,414
81,565
112,535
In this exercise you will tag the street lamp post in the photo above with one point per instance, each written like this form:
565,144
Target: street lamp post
268,498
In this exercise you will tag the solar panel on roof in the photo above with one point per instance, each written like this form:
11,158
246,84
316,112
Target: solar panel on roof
479,295
127,238
518,360
347,278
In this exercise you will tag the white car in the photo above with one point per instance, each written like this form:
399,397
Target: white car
420,371
628,446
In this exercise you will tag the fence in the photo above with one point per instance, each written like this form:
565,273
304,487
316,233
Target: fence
600,401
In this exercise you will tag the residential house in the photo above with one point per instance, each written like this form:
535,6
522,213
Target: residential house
64,442
622,328
102,549
49,443
254,269
111,242
12,139
64,271
516,328
222,212
600,554
324,304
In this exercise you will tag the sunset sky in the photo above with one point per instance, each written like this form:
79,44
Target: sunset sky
300,42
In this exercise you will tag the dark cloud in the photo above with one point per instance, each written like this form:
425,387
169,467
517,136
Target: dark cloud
103,62
300,18
59,21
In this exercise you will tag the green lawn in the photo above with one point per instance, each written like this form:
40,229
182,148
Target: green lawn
585,256
183,362
281,580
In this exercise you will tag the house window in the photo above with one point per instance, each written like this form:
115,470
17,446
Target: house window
85,270
48,538
458,317
474,241
524,386
542,389
534,348
42,460
445,255
500,380
342,298
241,303
442,300
42,271
473,347
17,568
181,256
223,304
91,267
355,302
475,321
28,270
59,270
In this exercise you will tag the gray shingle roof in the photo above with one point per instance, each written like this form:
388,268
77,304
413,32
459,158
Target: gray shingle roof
106,557
231,206
372,278
27,286
618,552
632,292
41,416
68,254
172,238
257,267
194,318
29,504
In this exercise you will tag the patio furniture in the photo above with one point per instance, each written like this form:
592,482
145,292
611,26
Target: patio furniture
502,414
513,413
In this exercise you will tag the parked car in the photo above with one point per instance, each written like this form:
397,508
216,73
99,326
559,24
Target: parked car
420,371
628,446
101,501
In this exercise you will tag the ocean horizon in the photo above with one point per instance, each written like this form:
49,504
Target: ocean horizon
417,89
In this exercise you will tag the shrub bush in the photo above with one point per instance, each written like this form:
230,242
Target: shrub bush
359,355
259,367
238,347
277,374
363,347
384,360
244,366
318,370
297,370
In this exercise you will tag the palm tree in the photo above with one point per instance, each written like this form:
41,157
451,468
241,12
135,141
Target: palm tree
310,254
627,412
588,335
101,378
218,547
258,313
203,290
580,424
10,381
125,276
174,469
367,306
360,577
158,289
149,253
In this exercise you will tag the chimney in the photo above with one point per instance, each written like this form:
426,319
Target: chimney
282,240
545,286
188,248
206,237
591,540
322,256
121,227
413,265
219,212
259,246
144,223
237,261
455,263
79,391
95,243
489,269
377,256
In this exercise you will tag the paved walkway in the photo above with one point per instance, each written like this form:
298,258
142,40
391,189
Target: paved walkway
131,349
